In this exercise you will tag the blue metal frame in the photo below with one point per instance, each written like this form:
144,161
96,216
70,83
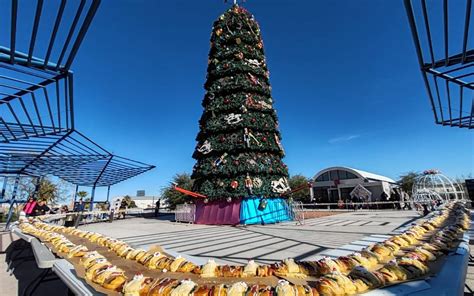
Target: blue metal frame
37,131
448,77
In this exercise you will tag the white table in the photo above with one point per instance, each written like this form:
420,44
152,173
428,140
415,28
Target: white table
66,272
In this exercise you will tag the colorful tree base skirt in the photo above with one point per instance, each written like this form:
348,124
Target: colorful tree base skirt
244,211
218,212
275,211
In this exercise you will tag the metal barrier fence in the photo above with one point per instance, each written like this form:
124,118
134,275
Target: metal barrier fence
371,205
296,211
185,213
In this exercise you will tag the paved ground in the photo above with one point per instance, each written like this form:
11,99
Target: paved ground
469,285
8,284
265,244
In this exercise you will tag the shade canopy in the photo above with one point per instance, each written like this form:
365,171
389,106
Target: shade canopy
445,49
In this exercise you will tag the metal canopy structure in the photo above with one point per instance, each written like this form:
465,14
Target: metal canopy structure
37,132
103,172
444,45
56,29
34,103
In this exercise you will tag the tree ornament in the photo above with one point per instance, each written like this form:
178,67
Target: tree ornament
249,184
234,184
220,160
280,185
257,182
219,32
238,40
262,205
253,62
253,120
260,45
205,147
229,199
277,140
248,136
243,109
233,118
206,200
252,162
253,79
265,105
239,56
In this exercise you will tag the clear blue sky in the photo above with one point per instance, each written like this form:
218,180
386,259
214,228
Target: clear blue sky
344,76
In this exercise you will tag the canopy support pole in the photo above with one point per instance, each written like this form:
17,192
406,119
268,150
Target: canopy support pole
92,198
12,202
4,187
108,193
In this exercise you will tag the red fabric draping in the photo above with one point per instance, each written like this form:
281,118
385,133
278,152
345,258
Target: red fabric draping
218,212
187,192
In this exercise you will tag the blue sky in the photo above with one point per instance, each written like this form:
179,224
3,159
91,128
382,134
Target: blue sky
344,75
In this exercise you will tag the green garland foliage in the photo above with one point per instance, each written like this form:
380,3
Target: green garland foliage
237,121
241,164
239,153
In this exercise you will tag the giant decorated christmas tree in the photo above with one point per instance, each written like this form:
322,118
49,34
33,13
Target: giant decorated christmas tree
239,153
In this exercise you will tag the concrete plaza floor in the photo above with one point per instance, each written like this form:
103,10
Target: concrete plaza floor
265,244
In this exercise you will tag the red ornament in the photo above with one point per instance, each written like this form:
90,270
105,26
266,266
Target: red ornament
227,101
239,56
234,184
264,139
222,139
254,120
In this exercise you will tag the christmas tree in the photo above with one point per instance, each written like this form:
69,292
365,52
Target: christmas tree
238,153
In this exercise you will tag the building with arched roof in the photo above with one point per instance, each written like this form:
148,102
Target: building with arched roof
336,183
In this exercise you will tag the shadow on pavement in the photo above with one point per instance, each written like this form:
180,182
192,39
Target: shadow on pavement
20,257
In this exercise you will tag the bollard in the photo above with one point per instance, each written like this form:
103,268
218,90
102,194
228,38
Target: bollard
111,216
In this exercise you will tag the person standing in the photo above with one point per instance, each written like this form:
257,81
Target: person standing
29,207
41,208
406,199
397,198
426,211
79,207
157,208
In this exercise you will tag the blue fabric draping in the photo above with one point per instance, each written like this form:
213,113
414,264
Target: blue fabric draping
276,211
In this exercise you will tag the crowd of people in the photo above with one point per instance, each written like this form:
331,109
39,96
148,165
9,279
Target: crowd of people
35,207
38,207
